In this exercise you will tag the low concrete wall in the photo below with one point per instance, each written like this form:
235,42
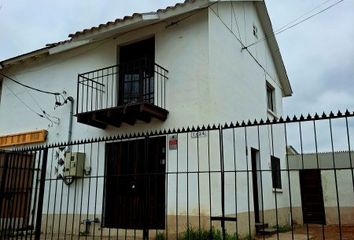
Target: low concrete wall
346,215
59,225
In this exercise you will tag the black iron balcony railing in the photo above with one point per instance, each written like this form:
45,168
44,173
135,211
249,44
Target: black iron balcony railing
125,84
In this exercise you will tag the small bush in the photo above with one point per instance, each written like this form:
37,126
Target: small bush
283,229
202,234
248,237
160,236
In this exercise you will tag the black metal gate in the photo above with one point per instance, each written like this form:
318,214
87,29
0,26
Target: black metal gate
232,181
22,176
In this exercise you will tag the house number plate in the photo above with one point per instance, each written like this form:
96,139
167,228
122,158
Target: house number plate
199,134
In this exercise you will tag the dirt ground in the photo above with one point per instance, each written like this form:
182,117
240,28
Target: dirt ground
330,232
316,232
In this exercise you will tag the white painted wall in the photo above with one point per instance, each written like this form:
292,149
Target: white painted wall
240,86
210,81
239,82
204,62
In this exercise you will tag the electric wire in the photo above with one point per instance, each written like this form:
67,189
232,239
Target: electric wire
44,114
27,86
303,15
23,102
235,17
190,15
53,119
311,16
294,23
243,47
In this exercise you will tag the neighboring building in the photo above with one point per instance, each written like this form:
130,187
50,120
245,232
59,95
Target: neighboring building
319,178
182,66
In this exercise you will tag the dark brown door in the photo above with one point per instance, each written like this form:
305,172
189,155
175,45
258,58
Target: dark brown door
135,184
136,72
16,175
255,184
312,196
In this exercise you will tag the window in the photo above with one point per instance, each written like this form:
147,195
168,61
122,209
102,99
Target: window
276,173
255,31
270,98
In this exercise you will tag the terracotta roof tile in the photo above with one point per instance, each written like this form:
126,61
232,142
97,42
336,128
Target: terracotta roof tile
119,20
114,22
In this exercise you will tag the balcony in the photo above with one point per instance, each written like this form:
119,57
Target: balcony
122,93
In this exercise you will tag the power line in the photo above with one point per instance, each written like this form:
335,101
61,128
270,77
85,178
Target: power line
303,15
287,27
243,46
311,16
23,102
52,119
191,15
32,88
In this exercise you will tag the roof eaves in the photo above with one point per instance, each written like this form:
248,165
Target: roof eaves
120,24
274,47
22,57
109,24
117,23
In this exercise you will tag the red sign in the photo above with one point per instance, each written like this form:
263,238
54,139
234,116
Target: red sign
173,142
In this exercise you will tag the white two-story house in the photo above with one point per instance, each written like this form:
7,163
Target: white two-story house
183,66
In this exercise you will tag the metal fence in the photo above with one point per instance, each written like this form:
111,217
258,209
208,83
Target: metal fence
285,178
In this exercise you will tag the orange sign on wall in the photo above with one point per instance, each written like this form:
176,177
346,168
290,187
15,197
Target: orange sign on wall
23,138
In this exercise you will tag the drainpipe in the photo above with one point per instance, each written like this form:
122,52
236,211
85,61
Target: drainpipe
71,99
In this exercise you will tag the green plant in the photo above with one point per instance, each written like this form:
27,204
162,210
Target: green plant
283,228
160,236
203,234
248,237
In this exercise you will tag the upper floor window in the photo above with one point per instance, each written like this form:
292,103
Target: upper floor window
255,31
270,98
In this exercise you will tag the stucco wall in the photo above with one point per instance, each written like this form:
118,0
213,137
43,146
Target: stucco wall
210,81
182,49
238,80
240,87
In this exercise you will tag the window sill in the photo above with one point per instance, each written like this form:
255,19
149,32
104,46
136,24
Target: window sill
277,190
272,114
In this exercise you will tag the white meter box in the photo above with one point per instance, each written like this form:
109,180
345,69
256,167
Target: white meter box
74,164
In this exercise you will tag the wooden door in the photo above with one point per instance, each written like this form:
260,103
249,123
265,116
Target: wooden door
16,179
312,196
255,180
135,184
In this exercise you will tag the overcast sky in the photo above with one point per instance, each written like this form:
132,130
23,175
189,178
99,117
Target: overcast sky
318,54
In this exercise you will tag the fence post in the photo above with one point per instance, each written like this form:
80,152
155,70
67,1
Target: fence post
222,174
147,182
41,195
2,187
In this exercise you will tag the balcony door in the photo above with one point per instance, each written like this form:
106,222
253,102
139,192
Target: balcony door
136,72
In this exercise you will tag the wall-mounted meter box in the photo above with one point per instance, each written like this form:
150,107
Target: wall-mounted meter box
74,164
